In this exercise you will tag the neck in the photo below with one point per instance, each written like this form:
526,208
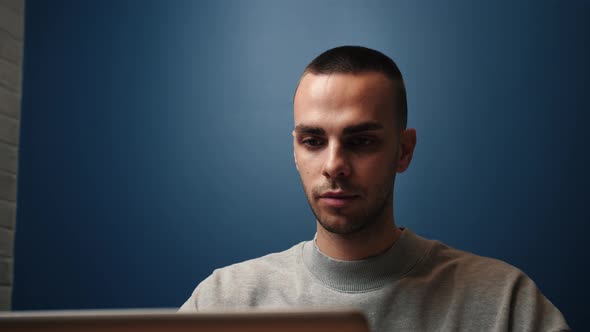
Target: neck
368,242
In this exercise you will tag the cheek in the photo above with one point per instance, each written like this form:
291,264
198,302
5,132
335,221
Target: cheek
374,171
307,173
306,168
307,163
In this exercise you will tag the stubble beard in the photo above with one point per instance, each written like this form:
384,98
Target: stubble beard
357,221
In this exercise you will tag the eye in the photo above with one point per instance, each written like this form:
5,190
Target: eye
360,142
312,142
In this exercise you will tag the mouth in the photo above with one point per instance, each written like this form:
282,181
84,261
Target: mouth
337,199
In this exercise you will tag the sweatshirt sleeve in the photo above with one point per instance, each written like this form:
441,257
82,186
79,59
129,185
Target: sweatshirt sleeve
206,295
191,304
188,306
532,311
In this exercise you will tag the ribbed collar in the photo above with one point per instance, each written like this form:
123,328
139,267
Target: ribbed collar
367,274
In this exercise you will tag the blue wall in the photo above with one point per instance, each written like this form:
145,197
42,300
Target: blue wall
156,138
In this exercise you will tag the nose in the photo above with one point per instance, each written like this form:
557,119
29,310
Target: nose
336,164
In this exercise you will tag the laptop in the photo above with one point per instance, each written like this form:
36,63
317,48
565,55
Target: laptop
296,320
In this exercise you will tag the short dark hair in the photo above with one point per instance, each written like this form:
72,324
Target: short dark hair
357,60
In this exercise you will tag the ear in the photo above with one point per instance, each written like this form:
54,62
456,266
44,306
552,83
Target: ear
407,143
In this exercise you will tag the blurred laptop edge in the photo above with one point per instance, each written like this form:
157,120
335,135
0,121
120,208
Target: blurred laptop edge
156,320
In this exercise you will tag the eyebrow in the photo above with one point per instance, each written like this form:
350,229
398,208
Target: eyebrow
365,126
361,127
303,129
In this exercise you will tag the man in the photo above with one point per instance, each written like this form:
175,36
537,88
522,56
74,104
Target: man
350,140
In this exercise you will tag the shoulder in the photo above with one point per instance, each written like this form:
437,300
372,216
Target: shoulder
491,286
439,262
241,283
259,267
470,267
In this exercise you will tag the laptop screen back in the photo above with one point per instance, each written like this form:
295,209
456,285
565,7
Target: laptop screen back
170,321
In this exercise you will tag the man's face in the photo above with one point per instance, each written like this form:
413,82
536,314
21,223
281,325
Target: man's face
346,146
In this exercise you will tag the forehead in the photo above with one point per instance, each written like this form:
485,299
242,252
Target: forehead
340,100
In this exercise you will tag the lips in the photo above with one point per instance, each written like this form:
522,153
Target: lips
337,199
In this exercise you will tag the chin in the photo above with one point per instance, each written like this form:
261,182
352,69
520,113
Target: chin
341,226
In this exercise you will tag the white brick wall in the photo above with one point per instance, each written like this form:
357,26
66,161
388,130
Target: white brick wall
12,13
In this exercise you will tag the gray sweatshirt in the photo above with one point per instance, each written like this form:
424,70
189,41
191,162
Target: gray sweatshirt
417,285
